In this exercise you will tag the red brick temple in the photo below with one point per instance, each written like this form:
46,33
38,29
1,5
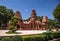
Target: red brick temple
33,23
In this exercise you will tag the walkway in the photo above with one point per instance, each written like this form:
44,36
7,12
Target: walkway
23,32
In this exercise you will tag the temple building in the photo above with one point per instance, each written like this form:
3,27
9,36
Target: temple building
33,23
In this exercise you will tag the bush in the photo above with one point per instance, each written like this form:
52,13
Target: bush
17,38
6,39
1,38
52,35
28,39
10,32
56,34
49,35
41,37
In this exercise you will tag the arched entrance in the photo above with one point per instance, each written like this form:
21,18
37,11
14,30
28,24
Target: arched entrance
18,27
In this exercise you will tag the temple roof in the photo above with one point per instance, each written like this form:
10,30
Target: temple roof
33,15
18,14
45,19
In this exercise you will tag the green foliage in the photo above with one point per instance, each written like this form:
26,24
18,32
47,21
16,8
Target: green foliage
51,24
12,28
2,8
40,18
6,39
41,37
1,38
56,34
52,35
13,23
12,32
28,39
5,15
17,38
56,12
49,35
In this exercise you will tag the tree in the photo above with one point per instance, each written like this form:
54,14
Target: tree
40,18
51,24
5,15
13,23
56,12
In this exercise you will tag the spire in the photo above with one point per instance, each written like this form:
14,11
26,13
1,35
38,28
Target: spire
45,19
18,14
33,15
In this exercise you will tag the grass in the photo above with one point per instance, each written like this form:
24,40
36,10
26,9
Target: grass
33,35
10,32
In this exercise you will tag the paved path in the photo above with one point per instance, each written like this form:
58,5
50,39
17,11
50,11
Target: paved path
22,32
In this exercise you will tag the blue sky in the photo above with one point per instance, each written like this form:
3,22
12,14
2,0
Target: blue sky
42,7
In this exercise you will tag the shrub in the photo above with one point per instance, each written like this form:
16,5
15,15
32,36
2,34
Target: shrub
17,38
52,35
6,39
56,34
41,37
28,39
49,35
10,32
1,38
